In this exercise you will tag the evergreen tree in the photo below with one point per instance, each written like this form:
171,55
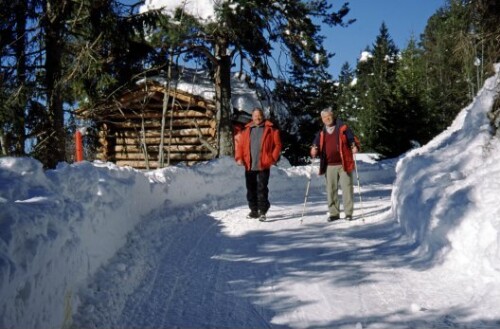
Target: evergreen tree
14,81
108,49
447,79
413,126
54,54
485,17
304,98
347,104
249,30
51,147
378,113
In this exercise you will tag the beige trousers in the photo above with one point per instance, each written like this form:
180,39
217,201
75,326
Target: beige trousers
335,177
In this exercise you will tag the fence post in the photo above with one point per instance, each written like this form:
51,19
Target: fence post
78,146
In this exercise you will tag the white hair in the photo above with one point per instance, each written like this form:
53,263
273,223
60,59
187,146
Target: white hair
327,110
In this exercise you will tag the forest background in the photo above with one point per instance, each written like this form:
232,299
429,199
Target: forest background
58,56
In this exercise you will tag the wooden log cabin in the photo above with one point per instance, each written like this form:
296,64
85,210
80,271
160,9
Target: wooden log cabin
130,129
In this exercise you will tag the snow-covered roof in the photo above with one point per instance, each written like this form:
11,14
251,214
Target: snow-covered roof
199,83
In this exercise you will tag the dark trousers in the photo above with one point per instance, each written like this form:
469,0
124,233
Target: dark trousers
257,191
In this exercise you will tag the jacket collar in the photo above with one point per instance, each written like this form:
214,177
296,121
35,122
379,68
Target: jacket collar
267,123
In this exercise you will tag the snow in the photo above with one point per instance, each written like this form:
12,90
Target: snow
365,56
244,98
200,83
95,245
201,9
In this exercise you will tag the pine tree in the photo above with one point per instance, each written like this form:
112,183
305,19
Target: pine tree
55,54
347,103
485,17
305,96
375,90
486,14
413,127
249,30
14,83
106,52
447,79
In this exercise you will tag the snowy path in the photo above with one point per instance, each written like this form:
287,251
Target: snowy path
221,270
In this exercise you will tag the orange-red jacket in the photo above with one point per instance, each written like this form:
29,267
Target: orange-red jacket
346,139
270,148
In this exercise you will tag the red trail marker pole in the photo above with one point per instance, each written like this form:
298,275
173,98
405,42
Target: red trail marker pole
78,146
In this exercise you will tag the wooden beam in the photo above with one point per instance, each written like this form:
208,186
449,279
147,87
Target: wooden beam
173,156
156,114
209,132
156,140
154,165
128,149
186,97
155,124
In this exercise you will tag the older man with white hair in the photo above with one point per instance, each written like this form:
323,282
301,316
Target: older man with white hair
336,146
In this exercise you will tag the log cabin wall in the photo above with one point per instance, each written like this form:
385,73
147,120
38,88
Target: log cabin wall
131,129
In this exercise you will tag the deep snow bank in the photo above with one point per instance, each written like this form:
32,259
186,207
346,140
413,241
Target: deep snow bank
57,227
445,194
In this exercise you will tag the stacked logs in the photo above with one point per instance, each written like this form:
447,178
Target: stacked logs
131,134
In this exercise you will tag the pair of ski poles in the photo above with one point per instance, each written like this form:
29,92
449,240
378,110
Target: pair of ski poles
309,185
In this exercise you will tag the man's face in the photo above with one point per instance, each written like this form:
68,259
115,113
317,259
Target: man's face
257,117
327,119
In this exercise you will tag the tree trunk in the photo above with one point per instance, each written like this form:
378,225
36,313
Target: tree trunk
20,49
54,148
223,100
3,143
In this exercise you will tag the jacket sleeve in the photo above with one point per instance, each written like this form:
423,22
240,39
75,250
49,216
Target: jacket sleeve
238,146
350,136
316,140
352,139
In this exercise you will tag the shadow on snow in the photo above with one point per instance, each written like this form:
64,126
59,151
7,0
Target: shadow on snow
189,273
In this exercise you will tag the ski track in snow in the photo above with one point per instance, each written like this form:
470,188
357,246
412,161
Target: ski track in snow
209,268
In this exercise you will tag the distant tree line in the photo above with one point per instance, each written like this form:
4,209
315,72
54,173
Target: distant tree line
57,55
397,99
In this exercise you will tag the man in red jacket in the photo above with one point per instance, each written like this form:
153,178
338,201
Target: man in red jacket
258,148
336,146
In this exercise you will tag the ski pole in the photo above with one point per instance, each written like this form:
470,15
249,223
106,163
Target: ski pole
359,188
307,191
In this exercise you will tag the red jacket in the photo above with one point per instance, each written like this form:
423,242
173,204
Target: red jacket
270,148
346,139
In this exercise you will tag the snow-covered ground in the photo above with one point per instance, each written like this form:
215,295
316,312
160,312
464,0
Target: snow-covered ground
95,245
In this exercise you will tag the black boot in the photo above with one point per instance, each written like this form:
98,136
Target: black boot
253,214
333,218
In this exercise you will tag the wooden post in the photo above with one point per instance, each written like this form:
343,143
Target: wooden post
78,146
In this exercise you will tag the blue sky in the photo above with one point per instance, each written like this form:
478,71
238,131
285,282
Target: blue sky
402,18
